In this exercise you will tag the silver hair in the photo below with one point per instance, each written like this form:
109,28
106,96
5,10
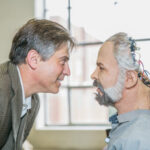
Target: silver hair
122,51
44,36
46,50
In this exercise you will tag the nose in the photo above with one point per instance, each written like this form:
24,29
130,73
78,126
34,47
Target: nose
66,69
94,75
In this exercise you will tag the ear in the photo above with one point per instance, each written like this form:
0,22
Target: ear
131,79
32,59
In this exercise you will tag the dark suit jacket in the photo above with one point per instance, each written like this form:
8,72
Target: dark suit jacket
13,129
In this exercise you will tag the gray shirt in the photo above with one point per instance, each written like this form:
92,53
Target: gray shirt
132,132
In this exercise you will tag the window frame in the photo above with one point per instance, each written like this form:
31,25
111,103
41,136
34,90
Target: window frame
73,126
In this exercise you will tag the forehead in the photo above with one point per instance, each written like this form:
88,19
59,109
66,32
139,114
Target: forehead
106,55
62,50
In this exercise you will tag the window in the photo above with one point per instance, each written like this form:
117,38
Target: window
91,23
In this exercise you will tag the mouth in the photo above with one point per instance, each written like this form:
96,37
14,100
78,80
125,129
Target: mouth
60,78
99,91
59,81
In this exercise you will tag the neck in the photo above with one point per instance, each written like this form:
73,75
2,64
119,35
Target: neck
135,98
28,80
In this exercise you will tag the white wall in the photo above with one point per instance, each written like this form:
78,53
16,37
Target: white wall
13,14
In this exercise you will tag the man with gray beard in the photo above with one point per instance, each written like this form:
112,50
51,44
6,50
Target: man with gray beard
123,84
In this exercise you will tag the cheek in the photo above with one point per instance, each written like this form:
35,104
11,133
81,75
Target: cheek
103,79
106,79
102,76
57,70
49,73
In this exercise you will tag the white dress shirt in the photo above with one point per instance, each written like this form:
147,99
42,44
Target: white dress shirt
26,101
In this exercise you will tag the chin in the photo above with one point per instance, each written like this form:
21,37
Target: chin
55,91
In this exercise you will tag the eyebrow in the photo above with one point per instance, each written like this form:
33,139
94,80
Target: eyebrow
66,58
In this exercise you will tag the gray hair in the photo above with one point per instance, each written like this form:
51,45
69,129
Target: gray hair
43,35
122,51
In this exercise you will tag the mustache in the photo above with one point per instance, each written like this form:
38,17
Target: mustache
95,83
99,85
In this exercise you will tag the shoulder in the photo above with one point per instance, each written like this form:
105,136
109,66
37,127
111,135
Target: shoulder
5,97
5,88
4,79
138,129
3,70
134,135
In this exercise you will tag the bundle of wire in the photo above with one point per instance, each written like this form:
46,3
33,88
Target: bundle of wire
143,74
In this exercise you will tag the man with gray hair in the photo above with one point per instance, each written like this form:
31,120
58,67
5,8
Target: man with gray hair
38,63
122,83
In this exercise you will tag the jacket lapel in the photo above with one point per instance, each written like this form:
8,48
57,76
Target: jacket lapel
16,102
32,113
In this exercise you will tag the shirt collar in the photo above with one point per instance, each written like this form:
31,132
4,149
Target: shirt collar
23,95
113,119
26,101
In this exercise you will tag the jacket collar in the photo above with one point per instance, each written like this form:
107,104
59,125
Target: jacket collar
16,102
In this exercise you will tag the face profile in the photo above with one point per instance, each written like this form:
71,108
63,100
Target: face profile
107,76
51,72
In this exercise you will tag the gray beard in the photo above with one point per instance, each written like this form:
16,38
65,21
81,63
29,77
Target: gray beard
113,94
104,99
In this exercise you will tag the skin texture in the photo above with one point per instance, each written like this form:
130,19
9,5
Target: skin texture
104,72
135,95
45,76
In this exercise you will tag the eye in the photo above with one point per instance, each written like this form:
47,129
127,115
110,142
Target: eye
101,68
63,62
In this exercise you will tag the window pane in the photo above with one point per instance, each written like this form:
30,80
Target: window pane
102,18
85,109
56,10
82,64
57,108
92,21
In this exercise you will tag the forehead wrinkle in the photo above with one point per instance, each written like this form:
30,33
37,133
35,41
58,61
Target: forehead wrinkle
106,55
